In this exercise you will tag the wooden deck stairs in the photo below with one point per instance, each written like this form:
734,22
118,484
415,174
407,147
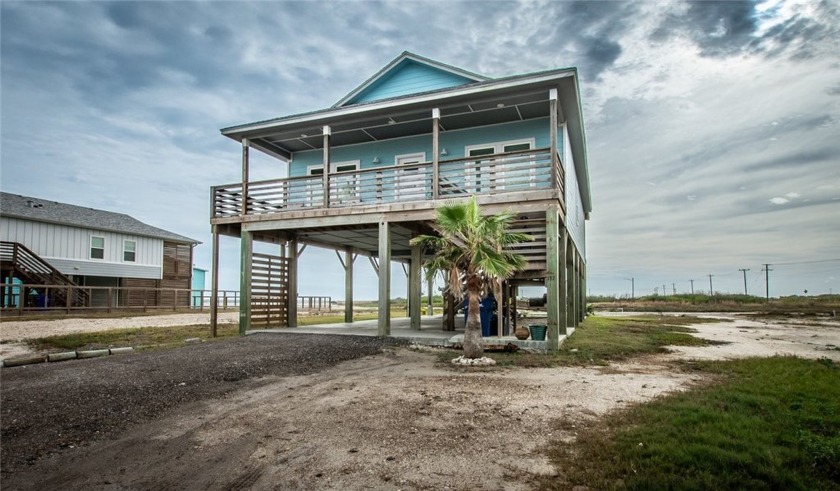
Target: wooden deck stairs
31,269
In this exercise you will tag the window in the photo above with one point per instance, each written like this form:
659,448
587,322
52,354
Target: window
97,247
129,251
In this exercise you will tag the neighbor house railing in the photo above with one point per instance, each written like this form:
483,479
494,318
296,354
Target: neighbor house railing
489,174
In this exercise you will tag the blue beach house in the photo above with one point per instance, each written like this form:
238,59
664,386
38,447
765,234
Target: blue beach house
366,174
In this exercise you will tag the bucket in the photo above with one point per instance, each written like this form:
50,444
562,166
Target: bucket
538,332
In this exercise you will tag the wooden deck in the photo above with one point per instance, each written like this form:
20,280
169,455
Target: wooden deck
507,177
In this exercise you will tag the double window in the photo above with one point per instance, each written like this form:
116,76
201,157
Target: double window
345,188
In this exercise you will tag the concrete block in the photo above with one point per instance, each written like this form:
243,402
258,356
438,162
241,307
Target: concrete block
117,351
92,353
67,355
24,360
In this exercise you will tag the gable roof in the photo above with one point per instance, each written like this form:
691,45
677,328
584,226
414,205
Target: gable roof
40,210
384,83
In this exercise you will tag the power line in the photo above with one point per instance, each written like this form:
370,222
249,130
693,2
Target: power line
807,262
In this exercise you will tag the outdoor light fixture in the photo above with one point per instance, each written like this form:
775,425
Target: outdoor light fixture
444,152
376,160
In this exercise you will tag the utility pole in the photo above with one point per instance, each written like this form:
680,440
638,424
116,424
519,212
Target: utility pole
692,286
632,287
745,279
711,289
767,280
664,291
674,288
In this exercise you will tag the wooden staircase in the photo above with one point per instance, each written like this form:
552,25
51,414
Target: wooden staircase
30,269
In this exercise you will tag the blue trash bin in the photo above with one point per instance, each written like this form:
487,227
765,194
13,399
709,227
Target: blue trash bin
487,308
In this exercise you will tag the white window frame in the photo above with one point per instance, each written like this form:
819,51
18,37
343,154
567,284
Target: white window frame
125,242
90,249
410,183
474,180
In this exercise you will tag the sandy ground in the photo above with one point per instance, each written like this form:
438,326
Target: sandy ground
397,420
12,332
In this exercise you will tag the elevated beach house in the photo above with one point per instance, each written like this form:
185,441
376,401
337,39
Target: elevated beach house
366,174
78,257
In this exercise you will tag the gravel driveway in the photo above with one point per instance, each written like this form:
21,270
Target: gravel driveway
51,408
298,411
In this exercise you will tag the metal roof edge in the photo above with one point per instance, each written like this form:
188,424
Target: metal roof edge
492,84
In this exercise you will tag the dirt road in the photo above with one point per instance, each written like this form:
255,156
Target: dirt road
309,412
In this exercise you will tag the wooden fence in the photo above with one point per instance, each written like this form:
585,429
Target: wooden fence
22,299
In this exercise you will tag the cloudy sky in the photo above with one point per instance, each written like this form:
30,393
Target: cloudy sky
713,127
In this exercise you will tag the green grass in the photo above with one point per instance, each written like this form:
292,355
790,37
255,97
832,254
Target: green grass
137,337
600,340
163,337
765,423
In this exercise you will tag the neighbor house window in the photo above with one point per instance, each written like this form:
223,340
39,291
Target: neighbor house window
129,251
97,247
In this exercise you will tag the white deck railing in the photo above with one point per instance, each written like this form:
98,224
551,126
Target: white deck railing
488,174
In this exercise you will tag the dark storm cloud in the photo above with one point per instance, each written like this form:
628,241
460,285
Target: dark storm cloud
596,28
727,28
719,28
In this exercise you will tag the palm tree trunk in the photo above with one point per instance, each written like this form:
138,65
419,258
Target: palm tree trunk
473,347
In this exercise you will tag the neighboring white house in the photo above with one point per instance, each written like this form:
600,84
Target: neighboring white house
94,247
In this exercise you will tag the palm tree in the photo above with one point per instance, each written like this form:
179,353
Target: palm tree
471,252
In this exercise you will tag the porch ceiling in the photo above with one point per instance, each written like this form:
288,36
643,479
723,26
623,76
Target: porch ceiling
363,239
484,111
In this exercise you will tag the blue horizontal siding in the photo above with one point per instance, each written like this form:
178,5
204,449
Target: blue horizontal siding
453,141
409,78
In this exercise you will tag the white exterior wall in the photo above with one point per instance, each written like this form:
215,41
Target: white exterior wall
68,249
575,222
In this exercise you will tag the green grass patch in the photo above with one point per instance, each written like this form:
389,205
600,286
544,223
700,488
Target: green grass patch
136,337
599,340
764,423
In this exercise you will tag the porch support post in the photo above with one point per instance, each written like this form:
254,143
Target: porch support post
583,289
246,267
570,279
576,290
291,307
348,284
384,278
245,172
429,283
552,103
553,280
435,152
327,133
214,285
414,286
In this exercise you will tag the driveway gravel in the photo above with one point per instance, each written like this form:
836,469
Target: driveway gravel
48,408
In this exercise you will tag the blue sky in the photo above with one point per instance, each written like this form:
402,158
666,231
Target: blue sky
712,127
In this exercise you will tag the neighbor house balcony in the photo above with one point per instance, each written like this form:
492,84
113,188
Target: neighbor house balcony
508,177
